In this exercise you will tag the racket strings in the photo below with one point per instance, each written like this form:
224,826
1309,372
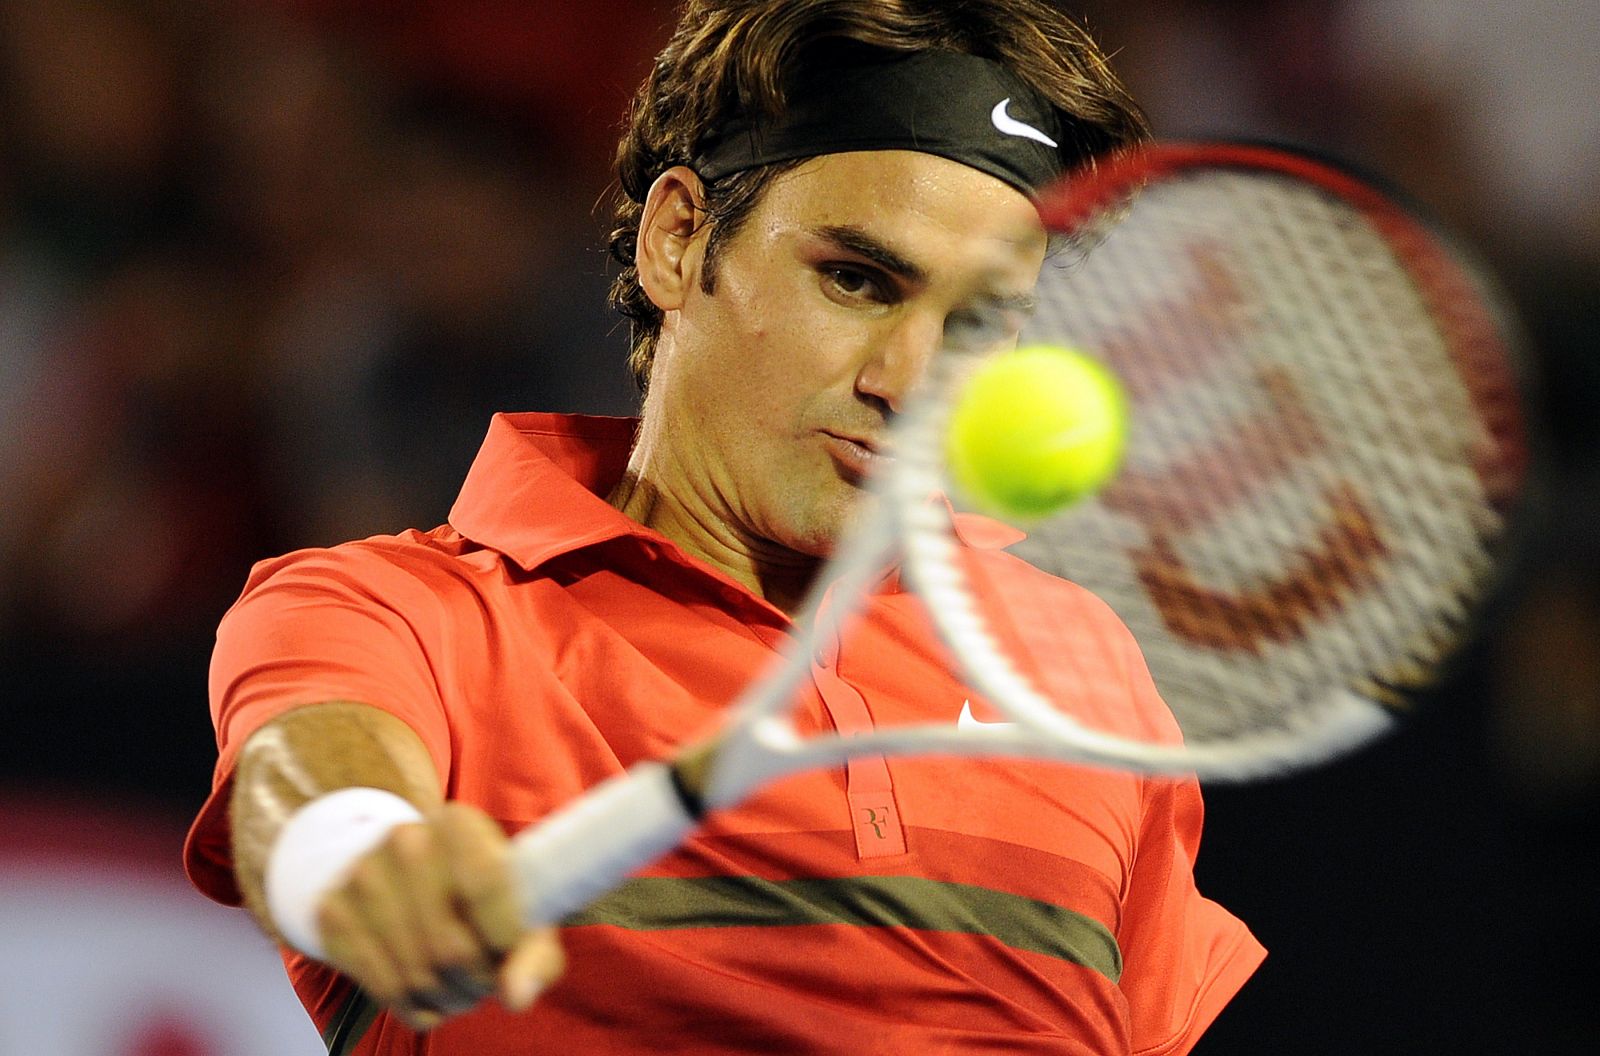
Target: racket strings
1402,438
1323,440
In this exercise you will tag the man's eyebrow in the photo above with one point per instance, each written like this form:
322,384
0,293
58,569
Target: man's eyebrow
854,240
1026,303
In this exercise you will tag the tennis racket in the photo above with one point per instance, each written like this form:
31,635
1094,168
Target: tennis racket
1328,449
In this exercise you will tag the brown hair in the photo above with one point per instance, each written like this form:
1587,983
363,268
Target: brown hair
730,56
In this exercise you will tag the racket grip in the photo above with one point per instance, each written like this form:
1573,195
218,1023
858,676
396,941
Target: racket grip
588,846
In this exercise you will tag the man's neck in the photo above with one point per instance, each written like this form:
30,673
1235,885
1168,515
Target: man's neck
776,574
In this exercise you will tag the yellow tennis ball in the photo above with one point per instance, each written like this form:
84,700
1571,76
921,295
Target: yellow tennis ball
1035,430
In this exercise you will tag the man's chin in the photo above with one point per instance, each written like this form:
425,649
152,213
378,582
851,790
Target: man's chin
831,525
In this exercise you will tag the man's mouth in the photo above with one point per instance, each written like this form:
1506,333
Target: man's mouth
860,456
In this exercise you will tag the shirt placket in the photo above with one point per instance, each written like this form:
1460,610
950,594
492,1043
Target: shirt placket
869,786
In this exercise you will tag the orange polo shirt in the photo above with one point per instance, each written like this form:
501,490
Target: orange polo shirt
541,642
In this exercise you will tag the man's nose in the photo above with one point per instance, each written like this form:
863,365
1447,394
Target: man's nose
899,361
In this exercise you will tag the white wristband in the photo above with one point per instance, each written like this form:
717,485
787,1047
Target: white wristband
316,849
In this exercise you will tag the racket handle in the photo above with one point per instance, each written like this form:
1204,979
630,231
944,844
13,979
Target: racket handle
588,846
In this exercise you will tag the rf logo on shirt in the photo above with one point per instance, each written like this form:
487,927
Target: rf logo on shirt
876,817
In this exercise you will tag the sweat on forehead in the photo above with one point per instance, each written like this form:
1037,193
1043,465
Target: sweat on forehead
957,106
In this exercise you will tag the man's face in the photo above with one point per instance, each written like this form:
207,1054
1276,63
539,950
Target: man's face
774,391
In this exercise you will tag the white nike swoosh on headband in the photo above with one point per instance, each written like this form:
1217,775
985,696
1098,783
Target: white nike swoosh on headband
969,721
1012,127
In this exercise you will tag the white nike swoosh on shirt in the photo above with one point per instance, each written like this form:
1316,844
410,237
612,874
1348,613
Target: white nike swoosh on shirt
1012,127
969,721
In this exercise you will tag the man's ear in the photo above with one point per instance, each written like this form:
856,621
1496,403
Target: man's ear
671,237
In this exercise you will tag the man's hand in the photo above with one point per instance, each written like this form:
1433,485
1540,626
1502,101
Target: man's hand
428,923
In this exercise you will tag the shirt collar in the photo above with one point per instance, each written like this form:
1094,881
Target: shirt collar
539,484
538,488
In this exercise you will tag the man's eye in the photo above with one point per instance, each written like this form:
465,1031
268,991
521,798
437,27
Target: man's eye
855,283
979,329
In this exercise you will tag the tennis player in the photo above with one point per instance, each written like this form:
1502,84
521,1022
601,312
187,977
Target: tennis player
812,189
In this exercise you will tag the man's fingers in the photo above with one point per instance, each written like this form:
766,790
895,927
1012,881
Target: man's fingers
477,852
429,924
399,895
533,964
449,944
353,948
374,893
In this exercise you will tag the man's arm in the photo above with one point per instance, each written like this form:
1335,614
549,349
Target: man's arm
427,922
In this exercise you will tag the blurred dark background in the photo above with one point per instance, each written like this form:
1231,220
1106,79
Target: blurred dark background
266,268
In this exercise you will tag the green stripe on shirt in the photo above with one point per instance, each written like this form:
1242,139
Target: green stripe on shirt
663,903
350,1024
666,903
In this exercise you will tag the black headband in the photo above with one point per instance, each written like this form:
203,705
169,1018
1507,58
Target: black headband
961,107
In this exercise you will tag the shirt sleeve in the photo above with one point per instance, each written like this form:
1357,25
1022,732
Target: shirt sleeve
1185,956
347,624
